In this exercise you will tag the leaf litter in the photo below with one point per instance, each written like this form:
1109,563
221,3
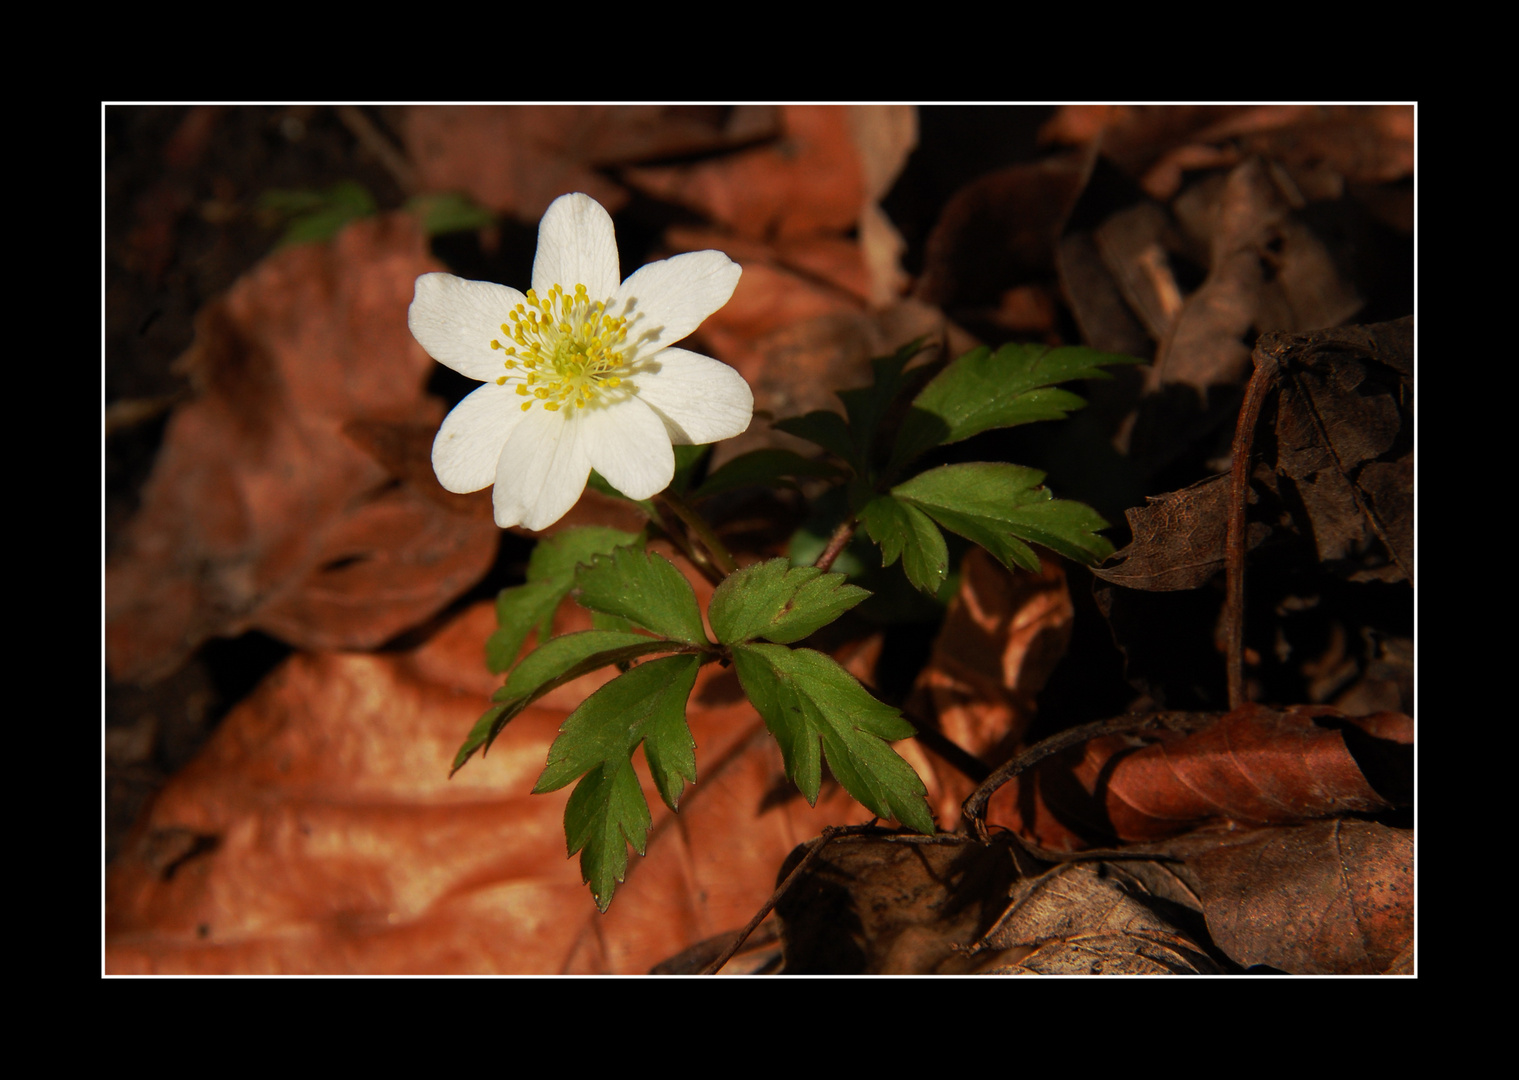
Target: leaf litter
1204,842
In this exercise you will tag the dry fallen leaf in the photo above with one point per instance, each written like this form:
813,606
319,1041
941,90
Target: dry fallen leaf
318,831
1253,766
266,508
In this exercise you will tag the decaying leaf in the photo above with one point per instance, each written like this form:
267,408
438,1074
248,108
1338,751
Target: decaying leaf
272,504
1097,919
1324,898
318,830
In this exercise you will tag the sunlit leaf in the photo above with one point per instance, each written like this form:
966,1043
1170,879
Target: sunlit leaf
644,588
811,704
1004,508
779,602
984,390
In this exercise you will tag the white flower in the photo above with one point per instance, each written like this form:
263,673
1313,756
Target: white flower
579,373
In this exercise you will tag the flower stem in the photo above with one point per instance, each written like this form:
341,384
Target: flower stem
722,560
837,543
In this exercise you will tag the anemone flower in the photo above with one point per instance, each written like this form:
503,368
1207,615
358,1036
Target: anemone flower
579,373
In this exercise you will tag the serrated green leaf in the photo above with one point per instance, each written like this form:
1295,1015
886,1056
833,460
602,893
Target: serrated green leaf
984,390
556,558
779,602
903,530
645,705
478,736
644,588
828,429
518,611
1004,509
550,575
554,664
605,813
764,468
809,703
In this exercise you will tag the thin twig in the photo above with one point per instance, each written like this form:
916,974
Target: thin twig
1262,382
373,139
816,847
974,808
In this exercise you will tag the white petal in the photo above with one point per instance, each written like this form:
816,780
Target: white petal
469,444
542,471
455,320
699,399
577,246
666,300
627,443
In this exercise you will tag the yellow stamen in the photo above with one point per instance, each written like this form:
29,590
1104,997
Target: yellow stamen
571,351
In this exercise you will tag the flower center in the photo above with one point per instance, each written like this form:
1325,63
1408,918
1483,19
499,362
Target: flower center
567,350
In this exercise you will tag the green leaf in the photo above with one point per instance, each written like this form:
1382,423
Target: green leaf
605,813
779,602
1004,509
765,468
984,390
868,406
809,703
644,588
550,575
828,429
645,705
554,664
449,212
646,702
903,530
319,215
596,482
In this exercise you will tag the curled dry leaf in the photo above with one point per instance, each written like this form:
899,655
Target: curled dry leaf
267,507
319,832
1253,766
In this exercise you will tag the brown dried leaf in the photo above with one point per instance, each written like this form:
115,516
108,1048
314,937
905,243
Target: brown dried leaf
1096,919
1002,637
1336,467
264,508
318,831
516,159
1253,766
1330,897
1000,231
811,180
885,904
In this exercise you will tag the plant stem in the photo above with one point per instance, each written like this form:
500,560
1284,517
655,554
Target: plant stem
722,560
837,543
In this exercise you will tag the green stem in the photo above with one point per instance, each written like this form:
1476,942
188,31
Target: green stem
722,560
